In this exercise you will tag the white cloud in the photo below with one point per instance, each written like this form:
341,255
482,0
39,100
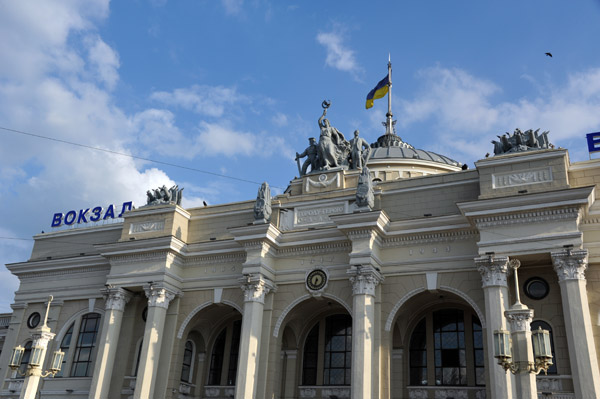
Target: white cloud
339,56
105,62
279,119
233,7
202,99
467,116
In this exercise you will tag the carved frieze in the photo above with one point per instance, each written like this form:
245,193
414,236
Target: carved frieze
308,393
335,392
147,226
570,265
493,270
522,178
538,216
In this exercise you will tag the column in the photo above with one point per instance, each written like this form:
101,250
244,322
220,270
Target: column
520,318
290,384
158,303
493,270
570,265
115,301
255,288
364,279
41,337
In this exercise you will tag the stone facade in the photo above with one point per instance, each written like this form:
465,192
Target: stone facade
206,303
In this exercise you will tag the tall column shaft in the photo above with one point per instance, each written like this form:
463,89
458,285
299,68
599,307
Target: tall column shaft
570,267
291,358
255,289
493,272
158,303
520,327
364,280
116,298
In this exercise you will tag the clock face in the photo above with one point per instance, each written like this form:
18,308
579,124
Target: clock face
316,280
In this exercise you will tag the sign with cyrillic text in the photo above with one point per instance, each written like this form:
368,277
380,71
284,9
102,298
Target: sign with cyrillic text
90,215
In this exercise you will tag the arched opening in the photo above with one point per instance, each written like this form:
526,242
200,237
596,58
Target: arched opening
438,345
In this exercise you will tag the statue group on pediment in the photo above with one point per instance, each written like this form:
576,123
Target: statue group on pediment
164,195
333,150
521,141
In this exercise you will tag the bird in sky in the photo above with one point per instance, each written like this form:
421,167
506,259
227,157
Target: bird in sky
549,54
204,202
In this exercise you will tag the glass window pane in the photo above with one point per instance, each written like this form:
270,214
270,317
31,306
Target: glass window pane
86,340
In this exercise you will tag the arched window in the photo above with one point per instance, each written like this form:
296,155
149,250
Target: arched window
545,326
80,352
188,360
26,357
64,346
446,349
224,355
327,352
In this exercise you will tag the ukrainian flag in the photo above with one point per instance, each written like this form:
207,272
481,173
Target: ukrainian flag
379,91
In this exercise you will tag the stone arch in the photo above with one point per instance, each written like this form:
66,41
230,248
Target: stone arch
301,299
416,291
72,319
198,308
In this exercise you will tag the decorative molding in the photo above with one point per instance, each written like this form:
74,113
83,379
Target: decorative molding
570,265
322,182
237,257
163,255
417,393
308,393
522,178
65,272
116,298
335,392
314,249
520,319
537,216
429,238
399,304
364,279
147,227
159,296
190,316
451,393
256,287
493,270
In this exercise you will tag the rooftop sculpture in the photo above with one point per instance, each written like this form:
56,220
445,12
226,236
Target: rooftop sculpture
162,195
521,141
262,206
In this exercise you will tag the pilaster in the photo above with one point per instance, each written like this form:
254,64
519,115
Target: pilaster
364,280
570,266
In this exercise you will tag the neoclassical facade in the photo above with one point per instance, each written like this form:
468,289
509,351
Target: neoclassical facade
328,299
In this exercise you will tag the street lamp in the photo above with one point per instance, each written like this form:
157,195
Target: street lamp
41,336
519,340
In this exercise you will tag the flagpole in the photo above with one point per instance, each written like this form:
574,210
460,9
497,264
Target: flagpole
388,127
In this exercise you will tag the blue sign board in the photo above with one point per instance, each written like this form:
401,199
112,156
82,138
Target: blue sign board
84,215
593,140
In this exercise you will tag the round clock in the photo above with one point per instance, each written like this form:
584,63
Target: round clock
316,279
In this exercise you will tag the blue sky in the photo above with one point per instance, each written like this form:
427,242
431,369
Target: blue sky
234,87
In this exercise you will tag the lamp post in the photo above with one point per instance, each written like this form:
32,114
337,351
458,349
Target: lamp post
41,336
517,344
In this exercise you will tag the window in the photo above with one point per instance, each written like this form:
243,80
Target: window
536,288
26,357
224,355
446,349
188,358
64,346
328,343
80,352
545,326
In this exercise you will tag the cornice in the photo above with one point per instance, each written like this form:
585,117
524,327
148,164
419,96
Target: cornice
78,231
539,216
157,210
429,238
57,267
319,248
201,260
164,255
510,159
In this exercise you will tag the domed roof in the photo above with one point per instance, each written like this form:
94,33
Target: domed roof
391,146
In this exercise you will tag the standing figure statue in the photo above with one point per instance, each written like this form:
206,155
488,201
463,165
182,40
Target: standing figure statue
333,146
365,197
262,206
360,151
312,155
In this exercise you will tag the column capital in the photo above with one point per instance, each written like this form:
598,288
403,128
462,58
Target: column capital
256,287
570,264
41,338
159,296
364,279
493,270
520,319
115,298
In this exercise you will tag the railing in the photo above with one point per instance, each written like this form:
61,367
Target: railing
555,386
219,392
444,392
324,392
